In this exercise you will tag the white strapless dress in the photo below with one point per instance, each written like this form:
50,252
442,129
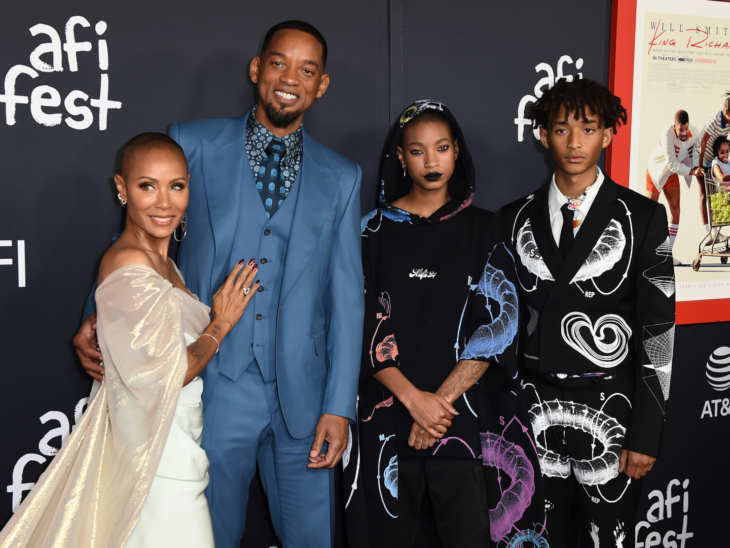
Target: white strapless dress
176,511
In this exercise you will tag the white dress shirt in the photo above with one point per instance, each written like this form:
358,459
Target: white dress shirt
556,200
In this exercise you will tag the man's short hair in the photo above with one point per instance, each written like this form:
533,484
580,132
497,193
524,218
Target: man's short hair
296,25
575,97
681,118
719,141
146,141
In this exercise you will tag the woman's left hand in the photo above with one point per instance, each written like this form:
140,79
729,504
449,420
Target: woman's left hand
419,438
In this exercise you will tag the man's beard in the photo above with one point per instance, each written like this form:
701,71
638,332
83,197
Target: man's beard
279,117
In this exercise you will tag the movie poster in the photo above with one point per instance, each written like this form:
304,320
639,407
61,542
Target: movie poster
682,64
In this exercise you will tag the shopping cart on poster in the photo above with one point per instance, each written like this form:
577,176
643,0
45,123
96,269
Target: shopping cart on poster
717,202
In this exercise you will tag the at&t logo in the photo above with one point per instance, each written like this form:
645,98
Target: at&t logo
718,377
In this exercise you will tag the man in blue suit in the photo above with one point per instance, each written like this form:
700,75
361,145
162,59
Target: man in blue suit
283,387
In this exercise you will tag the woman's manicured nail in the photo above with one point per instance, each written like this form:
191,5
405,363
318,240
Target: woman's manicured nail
255,268
252,261
240,262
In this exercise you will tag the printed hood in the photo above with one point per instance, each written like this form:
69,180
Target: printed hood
394,185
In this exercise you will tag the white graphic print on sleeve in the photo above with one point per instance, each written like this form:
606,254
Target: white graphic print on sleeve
659,346
608,344
665,284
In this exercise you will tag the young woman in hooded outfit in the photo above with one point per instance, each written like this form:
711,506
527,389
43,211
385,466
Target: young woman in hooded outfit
441,422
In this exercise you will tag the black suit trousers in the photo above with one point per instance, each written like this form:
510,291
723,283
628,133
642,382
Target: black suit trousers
456,491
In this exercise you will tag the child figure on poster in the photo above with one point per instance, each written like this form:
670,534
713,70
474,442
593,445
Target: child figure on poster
720,164
597,293
717,126
672,157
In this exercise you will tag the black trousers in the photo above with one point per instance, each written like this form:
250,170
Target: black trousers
579,426
457,493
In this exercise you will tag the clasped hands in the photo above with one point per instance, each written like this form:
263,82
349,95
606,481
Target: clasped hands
432,415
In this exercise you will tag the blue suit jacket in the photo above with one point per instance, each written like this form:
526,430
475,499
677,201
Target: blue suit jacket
321,304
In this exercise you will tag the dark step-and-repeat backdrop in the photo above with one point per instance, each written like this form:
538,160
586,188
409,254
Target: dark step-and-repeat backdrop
82,77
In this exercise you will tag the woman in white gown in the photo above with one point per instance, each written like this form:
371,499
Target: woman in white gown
133,473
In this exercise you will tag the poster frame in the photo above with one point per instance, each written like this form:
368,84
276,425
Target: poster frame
618,154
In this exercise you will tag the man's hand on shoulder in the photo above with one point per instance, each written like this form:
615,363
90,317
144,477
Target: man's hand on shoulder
333,430
635,465
86,347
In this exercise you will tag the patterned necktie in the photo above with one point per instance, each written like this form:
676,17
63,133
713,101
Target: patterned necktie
270,180
566,233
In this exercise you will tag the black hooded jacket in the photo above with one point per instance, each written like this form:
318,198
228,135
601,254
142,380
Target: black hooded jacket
438,289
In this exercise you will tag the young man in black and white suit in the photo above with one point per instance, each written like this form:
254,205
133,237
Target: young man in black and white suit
597,291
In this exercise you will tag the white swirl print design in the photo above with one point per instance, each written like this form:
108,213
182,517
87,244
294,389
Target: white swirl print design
609,337
530,254
605,254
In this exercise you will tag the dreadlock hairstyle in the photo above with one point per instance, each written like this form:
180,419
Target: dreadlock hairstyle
575,97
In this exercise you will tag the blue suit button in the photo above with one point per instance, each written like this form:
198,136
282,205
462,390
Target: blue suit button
267,232
259,317
263,260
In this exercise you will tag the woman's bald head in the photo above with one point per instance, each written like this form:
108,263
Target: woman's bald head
145,142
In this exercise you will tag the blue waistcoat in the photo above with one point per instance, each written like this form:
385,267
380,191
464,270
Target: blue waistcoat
269,239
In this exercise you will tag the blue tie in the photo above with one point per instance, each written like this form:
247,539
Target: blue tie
270,179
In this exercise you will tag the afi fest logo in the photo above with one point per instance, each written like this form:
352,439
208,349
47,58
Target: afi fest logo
18,487
48,57
674,503
548,80
20,259
718,377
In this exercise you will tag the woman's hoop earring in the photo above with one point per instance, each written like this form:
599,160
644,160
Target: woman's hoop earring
123,202
183,227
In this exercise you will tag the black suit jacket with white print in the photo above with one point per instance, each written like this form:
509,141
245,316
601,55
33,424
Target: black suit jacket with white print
608,307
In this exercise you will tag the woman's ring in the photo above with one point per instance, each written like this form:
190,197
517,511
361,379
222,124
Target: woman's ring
246,290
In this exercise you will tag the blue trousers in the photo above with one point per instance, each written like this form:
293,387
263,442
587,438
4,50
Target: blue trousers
243,427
